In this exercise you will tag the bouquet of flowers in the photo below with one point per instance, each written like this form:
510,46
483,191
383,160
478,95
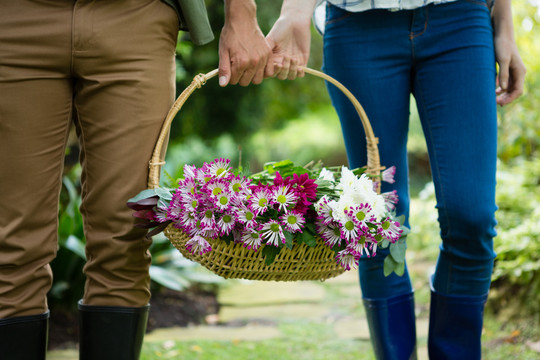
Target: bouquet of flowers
277,208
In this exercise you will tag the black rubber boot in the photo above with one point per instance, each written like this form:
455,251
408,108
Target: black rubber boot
111,332
24,337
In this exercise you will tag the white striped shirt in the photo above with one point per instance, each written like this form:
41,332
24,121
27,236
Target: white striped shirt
362,5
319,14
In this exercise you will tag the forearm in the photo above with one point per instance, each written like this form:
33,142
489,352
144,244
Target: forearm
290,38
501,16
512,71
243,49
240,11
298,11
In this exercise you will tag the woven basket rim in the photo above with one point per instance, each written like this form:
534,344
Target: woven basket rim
157,160
234,260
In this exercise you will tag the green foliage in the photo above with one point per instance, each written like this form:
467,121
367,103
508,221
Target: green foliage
519,134
395,261
516,278
68,280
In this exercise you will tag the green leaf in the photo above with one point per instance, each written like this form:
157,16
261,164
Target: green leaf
310,227
299,170
401,219
164,193
400,269
289,237
283,164
269,252
359,171
75,245
324,183
309,239
397,250
168,278
71,189
269,168
66,227
299,238
389,265
336,249
384,243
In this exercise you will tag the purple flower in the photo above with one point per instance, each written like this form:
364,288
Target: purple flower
283,197
273,233
390,199
346,259
259,201
390,230
293,221
252,239
330,233
388,175
225,224
198,245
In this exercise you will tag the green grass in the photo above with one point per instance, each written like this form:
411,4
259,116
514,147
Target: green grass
300,340
503,339
316,341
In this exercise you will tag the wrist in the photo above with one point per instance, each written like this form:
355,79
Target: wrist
297,11
240,11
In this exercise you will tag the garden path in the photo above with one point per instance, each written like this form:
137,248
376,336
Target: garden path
254,310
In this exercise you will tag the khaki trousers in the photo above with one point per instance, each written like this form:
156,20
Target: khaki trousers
108,68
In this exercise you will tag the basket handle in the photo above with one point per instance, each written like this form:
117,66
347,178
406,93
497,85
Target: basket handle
373,160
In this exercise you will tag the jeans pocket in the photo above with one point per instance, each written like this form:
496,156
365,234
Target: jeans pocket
335,14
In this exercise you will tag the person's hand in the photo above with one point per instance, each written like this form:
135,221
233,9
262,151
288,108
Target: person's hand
290,39
511,76
243,50
290,48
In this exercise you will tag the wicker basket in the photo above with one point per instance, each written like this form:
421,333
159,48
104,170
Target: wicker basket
231,260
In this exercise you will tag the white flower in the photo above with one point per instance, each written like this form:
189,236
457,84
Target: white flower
378,204
341,207
326,174
348,180
361,187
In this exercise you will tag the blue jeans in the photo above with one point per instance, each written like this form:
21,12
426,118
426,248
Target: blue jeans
444,56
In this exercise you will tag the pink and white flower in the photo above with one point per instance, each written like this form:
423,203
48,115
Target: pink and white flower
292,221
252,239
272,232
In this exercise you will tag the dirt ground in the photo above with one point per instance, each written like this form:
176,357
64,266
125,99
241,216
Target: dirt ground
168,308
